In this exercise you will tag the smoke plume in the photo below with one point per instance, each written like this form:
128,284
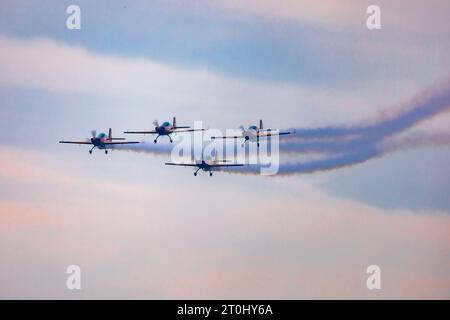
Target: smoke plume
346,145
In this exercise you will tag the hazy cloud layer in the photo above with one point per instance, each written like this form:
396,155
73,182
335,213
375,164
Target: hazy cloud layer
252,247
139,229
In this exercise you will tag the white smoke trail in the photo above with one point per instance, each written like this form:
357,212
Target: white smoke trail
424,106
156,149
344,146
351,157
418,140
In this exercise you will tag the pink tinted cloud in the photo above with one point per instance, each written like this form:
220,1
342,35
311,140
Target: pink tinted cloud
286,239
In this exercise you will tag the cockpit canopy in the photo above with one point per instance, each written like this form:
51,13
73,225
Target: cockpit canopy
166,124
253,128
102,135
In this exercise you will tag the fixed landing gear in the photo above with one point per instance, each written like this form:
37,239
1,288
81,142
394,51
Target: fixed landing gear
156,139
210,174
195,174
246,138
90,151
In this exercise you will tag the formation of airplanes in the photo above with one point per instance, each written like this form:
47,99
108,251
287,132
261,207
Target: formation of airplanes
105,141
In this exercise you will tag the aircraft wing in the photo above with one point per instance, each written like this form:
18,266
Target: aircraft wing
227,165
76,142
141,132
181,164
209,165
187,130
268,133
124,142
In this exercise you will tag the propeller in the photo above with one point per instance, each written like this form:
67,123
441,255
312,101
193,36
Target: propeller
155,123
241,127
94,133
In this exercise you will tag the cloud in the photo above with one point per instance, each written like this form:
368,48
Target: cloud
325,12
55,67
60,68
141,232
348,14
266,238
16,215
25,166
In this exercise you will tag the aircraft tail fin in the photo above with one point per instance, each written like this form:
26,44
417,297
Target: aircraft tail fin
261,124
110,134
174,123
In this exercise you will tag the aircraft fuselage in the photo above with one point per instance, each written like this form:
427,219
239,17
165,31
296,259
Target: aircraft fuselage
163,131
250,134
98,143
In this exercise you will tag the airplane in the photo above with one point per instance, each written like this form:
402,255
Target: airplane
166,129
206,165
254,133
101,141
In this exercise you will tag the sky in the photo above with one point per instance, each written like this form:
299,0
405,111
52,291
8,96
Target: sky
139,229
